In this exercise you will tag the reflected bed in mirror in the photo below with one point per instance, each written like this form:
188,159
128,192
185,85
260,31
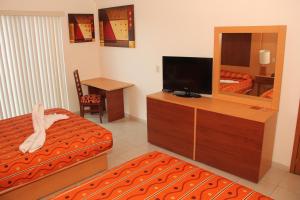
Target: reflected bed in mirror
248,64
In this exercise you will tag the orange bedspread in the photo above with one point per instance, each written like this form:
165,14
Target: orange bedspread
268,94
243,86
68,142
159,176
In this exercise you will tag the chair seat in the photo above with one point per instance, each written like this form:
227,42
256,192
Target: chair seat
90,99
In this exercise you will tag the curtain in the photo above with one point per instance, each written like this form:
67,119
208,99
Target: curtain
32,67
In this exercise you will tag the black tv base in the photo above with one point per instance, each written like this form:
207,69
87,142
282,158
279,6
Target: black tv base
186,94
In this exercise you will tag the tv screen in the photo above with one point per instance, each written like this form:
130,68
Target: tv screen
187,74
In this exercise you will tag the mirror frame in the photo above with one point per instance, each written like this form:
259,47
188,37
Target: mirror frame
246,99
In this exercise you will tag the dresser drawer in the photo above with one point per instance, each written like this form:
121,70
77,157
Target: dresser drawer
171,126
248,129
229,143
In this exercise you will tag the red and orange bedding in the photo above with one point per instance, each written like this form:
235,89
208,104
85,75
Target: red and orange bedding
245,82
159,176
268,94
68,142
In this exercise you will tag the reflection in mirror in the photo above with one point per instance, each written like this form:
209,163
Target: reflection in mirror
248,63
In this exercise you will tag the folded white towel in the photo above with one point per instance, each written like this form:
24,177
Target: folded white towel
41,123
37,139
33,142
38,116
228,81
51,119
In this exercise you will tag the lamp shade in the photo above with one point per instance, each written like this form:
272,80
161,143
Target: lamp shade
264,57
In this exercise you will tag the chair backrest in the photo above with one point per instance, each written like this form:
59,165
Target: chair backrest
77,83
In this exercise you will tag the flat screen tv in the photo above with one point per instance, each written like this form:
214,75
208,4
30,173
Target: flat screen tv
186,76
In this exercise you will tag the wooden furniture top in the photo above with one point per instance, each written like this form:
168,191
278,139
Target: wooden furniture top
219,106
106,84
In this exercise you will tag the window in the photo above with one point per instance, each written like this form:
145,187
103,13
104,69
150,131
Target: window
32,67
236,49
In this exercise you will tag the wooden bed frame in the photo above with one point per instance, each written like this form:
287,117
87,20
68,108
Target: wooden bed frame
62,178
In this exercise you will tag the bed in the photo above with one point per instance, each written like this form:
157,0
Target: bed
158,176
74,149
243,82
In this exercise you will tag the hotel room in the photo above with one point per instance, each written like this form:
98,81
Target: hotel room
135,99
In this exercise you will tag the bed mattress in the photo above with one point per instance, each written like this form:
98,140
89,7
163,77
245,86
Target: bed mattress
159,176
68,142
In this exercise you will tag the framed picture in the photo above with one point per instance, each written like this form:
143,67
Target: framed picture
81,28
116,26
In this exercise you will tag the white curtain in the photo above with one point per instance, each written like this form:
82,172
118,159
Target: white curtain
32,67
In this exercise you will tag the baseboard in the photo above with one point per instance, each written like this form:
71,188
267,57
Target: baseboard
280,166
135,118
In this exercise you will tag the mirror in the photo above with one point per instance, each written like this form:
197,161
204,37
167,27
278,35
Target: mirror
248,64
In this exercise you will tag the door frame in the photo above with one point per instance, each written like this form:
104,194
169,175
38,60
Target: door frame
296,143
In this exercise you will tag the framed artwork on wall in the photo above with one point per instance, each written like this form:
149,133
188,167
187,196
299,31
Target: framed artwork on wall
81,28
116,26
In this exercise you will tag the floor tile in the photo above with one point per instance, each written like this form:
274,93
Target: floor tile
265,188
284,194
291,182
275,175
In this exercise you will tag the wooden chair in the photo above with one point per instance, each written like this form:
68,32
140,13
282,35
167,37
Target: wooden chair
95,102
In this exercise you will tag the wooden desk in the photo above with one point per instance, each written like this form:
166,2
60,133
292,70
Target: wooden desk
114,94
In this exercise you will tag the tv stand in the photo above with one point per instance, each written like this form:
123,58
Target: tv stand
186,94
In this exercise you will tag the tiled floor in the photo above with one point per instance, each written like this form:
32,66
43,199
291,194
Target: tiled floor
130,140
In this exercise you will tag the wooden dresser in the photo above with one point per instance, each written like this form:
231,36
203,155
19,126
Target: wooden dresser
233,137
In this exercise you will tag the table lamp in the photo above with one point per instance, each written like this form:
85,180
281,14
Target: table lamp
264,59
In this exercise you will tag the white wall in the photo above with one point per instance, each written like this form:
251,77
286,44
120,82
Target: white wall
176,27
84,56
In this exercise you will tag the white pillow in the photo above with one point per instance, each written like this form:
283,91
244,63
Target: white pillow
228,81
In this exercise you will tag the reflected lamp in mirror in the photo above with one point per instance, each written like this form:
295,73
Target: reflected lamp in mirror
264,60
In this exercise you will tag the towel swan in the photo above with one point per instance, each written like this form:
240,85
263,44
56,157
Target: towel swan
41,123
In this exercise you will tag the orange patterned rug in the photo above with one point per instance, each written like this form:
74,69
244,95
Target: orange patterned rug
158,176
68,142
